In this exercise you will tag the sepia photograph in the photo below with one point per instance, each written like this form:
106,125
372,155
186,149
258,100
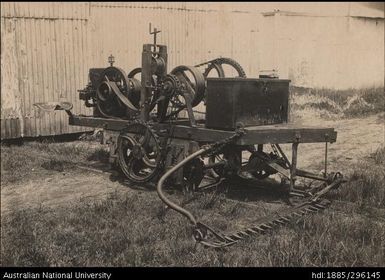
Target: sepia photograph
192,134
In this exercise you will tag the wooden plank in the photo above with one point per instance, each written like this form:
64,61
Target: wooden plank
201,134
289,136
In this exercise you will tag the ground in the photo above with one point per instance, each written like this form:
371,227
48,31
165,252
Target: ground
57,214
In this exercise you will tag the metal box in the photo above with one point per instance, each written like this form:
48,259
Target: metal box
250,102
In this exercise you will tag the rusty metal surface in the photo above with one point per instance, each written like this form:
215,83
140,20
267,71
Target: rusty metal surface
247,101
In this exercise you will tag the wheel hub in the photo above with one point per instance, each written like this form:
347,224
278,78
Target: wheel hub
137,152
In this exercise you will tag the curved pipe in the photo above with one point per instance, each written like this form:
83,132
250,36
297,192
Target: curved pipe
159,187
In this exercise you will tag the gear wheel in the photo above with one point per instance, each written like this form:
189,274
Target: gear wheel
217,65
172,97
171,85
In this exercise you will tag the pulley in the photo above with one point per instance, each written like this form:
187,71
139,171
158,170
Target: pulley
134,76
116,93
193,83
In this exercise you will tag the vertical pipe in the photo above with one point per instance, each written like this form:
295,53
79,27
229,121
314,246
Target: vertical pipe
145,93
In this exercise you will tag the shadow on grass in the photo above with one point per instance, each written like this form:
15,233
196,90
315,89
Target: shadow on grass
100,155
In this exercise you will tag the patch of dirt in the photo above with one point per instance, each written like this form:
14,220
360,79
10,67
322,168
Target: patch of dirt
356,139
57,189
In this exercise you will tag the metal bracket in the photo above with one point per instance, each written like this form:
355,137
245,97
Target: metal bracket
156,31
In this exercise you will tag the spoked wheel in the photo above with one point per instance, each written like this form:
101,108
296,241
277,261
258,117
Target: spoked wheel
139,153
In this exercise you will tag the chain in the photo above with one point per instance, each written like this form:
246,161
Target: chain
217,147
206,63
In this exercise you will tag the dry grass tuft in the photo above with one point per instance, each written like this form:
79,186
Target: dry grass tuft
336,104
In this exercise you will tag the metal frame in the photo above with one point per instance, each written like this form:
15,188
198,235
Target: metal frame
255,135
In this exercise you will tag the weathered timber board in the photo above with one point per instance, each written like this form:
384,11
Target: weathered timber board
283,133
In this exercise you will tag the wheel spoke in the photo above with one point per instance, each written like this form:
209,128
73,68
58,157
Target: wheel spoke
129,140
147,161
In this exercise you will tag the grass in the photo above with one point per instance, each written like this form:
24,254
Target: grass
28,160
334,104
134,229
366,182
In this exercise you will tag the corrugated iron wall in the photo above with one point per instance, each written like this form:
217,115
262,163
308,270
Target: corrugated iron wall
44,57
337,52
184,31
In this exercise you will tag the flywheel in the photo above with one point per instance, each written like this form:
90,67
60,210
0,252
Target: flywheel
116,93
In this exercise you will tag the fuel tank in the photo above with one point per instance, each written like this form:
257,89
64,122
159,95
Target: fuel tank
244,101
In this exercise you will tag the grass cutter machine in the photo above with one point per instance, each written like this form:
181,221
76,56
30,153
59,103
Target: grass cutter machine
199,124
